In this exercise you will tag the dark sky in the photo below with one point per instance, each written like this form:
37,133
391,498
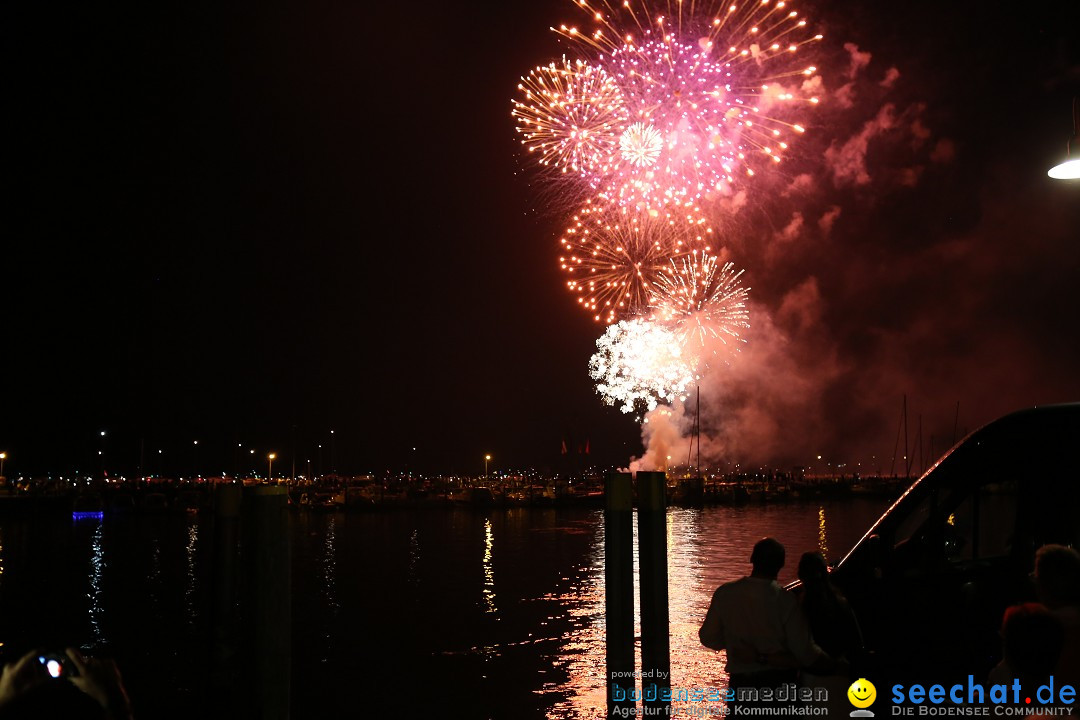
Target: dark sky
247,223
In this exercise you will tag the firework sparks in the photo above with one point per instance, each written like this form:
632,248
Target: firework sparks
641,145
659,115
705,97
640,363
572,115
614,255
702,299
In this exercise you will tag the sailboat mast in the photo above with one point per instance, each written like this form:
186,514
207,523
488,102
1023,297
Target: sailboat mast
907,464
697,428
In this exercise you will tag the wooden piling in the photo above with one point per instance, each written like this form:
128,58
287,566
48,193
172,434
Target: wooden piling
225,640
619,592
652,562
271,601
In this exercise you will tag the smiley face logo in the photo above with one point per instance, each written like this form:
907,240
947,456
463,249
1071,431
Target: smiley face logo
862,693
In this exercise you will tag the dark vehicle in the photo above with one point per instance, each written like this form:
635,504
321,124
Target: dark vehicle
931,579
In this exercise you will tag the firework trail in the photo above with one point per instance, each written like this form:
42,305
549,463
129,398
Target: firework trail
613,256
640,363
702,299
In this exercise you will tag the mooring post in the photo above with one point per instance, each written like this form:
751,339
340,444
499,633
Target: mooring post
225,661
652,560
271,602
619,592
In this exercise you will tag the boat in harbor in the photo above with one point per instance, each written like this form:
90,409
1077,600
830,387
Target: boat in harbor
322,501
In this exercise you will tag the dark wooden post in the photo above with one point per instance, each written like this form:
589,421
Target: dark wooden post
224,661
652,560
271,602
619,592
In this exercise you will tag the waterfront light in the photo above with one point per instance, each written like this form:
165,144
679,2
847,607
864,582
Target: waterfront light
1070,169
270,470
3,457
487,459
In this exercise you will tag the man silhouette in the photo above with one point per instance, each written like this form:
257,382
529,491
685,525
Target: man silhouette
761,626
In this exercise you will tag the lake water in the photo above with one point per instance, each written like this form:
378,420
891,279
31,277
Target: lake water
475,614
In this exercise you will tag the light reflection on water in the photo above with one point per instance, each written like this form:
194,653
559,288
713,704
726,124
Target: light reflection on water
583,695
192,578
414,557
383,598
706,547
489,569
97,568
329,578
823,544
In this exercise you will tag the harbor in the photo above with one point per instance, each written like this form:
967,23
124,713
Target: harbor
154,495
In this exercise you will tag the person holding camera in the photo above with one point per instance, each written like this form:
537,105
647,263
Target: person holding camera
62,685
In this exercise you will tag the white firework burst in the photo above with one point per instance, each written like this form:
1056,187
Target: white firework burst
640,363
641,144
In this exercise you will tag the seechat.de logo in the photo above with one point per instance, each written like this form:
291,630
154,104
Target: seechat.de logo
862,694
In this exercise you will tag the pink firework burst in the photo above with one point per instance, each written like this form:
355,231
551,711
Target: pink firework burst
714,94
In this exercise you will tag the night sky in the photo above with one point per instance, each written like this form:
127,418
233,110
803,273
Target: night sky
251,224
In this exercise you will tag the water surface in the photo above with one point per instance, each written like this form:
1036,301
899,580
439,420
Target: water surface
495,614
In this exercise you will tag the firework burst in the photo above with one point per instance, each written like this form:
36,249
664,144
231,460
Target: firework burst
713,94
661,113
641,145
702,299
640,363
613,256
572,114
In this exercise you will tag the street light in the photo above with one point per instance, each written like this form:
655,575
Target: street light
3,457
270,472
487,459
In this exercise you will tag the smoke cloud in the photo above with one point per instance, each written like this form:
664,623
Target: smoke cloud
892,259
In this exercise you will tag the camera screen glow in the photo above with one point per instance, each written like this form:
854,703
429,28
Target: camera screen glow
52,666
